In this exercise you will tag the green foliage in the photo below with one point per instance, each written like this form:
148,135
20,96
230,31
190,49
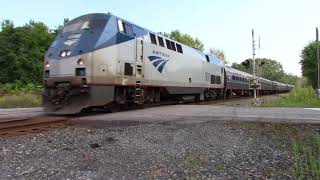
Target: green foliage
20,101
302,82
290,79
309,63
267,68
18,88
185,39
14,95
298,97
306,157
245,66
22,50
270,69
240,67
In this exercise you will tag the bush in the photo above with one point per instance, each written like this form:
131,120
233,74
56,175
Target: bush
18,95
19,88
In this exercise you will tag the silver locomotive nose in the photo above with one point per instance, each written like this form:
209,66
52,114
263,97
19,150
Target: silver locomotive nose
74,70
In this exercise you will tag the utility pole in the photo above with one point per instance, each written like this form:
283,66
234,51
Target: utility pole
318,60
254,67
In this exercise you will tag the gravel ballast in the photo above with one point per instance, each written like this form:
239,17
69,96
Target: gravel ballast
152,150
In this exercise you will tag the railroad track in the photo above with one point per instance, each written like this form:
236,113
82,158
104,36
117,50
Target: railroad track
19,122
164,103
13,126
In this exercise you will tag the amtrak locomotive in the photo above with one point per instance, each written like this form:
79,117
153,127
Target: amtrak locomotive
100,60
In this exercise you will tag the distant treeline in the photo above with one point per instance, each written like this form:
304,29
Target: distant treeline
22,52
269,69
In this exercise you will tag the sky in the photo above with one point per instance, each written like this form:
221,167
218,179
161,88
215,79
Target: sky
284,26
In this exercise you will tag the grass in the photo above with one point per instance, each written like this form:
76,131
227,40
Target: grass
20,101
306,149
300,97
305,145
307,157
20,96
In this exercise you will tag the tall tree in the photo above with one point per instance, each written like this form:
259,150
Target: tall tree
219,54
185,39
22,50
309,63
266,68
240,67
270,69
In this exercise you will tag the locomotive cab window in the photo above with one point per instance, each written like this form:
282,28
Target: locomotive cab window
207,58
125,28
160,40
120,26
128,29
153,39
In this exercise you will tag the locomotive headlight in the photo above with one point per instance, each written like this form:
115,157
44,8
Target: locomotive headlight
80,62
65,53
47,65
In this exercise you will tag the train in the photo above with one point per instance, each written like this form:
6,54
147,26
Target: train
103,61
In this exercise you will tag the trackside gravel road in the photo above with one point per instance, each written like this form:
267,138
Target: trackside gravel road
132,150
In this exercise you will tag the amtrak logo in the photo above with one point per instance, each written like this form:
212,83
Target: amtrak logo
158,62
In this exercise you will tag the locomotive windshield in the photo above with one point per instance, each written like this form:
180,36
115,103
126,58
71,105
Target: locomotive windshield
84,25
76,27
78,36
